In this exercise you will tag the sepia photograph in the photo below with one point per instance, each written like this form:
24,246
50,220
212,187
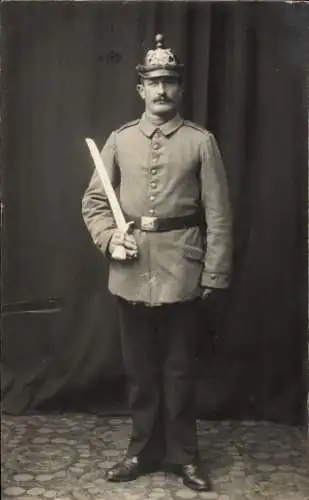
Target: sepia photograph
154,250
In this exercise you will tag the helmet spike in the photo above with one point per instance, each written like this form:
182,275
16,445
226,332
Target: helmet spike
159,41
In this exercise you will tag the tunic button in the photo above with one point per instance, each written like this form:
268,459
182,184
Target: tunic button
155,146
152,212
153,184
152,198
153,171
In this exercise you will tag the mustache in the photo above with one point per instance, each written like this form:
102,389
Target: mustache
163,99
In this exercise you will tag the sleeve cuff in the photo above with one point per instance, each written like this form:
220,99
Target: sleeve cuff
103,242
213,280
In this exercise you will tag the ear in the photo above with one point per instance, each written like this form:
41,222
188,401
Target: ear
140,89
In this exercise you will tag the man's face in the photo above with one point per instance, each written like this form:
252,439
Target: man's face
162,95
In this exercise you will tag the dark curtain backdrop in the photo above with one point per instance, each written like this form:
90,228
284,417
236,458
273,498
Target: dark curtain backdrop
69,73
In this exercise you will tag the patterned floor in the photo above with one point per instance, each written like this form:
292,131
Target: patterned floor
63,457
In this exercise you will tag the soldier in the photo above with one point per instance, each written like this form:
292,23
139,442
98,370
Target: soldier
173,187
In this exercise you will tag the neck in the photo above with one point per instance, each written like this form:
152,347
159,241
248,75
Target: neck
159,120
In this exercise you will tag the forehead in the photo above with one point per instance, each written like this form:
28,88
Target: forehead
162,79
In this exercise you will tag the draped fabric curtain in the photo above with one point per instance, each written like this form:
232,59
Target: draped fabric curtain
69,73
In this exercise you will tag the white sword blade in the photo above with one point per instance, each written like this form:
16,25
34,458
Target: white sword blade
109,190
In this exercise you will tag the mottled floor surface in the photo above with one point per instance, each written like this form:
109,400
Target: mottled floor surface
63,457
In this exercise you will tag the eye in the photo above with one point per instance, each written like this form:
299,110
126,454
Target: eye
171,82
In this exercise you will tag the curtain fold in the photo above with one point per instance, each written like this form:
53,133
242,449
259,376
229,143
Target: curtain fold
69,73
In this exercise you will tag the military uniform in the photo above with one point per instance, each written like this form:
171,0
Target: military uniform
170,173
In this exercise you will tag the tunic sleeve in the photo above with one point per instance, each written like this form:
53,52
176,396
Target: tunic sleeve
96,210
215,199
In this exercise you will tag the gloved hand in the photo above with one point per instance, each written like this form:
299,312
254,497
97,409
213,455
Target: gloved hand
126,240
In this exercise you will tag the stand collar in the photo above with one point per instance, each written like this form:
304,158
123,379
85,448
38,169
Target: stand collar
166,128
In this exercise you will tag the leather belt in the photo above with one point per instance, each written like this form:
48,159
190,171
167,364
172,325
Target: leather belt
157,225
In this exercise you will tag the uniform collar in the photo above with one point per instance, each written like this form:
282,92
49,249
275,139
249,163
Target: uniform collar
166,128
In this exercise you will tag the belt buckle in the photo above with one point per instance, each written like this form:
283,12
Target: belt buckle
149,223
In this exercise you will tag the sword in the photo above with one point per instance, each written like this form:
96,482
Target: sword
119,252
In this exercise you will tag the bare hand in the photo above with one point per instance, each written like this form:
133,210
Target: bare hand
126,240
206,292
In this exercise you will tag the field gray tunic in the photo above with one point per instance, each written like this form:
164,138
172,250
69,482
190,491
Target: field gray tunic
167,171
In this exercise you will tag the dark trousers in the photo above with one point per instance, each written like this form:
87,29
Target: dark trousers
159,353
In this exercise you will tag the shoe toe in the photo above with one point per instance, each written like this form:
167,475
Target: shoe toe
197,484
196,479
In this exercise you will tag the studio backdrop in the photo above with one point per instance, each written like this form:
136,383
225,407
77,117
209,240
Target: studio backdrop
69,73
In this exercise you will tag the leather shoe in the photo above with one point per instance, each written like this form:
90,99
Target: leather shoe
194,478
126,470
130,468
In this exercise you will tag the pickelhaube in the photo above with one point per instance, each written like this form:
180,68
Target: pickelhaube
160,62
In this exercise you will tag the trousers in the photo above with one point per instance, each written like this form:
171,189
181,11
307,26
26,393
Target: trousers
159,356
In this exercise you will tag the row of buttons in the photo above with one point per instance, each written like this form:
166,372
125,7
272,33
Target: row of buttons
153,184
155,157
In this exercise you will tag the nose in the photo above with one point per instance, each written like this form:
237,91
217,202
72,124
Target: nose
161,88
